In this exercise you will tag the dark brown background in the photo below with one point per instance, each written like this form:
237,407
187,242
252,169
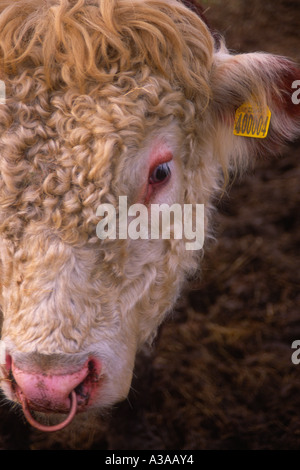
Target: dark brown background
221,376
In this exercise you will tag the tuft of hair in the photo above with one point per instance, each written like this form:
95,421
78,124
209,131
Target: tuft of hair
78,41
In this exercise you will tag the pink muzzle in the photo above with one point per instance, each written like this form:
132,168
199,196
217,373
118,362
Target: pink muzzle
55,393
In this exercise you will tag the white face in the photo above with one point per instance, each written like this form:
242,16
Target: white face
82,310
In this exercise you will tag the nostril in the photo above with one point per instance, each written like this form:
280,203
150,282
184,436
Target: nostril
85,388
94,369
12,379
8,363
81,391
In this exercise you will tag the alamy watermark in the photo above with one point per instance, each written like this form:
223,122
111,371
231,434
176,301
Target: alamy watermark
2,92
296,94
2,353
159,221
296,354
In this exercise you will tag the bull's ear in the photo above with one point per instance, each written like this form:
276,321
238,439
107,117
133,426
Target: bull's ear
255,105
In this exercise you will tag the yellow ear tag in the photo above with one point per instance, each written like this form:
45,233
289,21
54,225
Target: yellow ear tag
252,121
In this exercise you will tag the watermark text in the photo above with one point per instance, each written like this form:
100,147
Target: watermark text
296,94
159,221
2,353
296,354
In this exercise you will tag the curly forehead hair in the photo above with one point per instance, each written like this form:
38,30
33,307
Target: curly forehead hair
86,80
77,41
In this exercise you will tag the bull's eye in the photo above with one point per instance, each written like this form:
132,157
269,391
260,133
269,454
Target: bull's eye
160,174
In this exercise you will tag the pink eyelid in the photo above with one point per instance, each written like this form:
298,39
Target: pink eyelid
159,159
